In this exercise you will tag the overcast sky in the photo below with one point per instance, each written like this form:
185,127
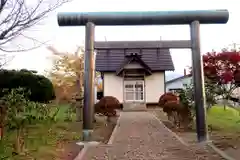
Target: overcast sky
68,38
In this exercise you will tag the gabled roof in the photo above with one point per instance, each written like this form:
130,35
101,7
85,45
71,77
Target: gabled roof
136,58
179,78
109,59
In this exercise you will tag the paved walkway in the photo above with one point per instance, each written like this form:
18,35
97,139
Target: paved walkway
141,136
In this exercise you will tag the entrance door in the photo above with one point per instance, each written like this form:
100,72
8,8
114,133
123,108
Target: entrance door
134,91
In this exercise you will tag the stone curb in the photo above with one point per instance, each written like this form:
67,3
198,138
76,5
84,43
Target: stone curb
113,135
81,153
170,131
110,141
219,151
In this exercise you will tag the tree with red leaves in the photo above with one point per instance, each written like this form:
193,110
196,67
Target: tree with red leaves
223,70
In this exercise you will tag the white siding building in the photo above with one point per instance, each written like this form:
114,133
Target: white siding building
178,83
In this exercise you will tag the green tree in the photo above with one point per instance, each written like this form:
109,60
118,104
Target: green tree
211,96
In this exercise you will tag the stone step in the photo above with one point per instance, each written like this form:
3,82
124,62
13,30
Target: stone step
134,107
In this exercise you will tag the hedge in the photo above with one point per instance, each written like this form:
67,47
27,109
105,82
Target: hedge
40,87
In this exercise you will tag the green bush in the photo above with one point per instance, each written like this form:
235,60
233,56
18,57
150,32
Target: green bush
18,114
41,88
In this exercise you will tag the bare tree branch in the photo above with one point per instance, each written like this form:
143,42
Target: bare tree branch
5,59
19,49
16,16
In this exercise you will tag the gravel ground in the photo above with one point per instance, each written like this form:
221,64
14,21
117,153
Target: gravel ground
141,136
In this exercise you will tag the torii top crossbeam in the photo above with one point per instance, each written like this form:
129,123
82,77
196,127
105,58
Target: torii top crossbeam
143,18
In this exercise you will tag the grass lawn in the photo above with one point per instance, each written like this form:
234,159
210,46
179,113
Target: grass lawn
225,120
226,129
44,141
222,120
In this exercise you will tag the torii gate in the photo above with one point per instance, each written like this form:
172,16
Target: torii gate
192,18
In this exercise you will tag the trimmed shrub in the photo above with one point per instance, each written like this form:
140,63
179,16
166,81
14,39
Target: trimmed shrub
40,87
107,106
176,111
167,97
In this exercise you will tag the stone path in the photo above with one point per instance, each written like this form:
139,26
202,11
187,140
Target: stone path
141,136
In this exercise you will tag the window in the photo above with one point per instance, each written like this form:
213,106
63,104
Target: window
175,90
134,90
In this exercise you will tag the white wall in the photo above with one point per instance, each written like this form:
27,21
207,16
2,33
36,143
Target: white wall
178,83
154,87
113,86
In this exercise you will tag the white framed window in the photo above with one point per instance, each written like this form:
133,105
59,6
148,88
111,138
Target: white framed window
134,91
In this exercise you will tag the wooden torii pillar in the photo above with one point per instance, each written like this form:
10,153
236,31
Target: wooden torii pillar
192,18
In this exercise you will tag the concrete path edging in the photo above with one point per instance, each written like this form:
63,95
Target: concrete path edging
110,141
208,143
170,131
84,150
113,135
220,152
81,153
